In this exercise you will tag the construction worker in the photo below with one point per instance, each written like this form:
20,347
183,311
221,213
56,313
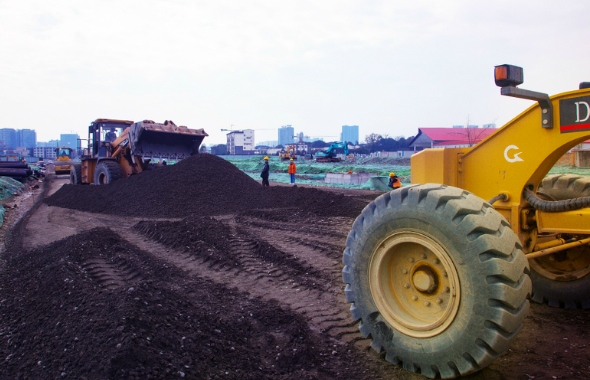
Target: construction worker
111,135
265,171
292,171
394,181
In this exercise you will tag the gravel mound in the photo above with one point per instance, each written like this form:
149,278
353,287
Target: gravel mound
203,185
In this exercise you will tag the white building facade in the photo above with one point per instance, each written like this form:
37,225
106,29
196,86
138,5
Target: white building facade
45,152
241,142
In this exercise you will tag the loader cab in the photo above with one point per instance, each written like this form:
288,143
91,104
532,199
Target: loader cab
63,152
101,133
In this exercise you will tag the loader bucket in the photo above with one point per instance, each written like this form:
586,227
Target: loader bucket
152,140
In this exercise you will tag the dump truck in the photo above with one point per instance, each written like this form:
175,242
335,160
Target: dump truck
121,148
440,272
63,157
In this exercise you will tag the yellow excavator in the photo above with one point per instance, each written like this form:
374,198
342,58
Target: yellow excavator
120,148
440,273
63,163
288,154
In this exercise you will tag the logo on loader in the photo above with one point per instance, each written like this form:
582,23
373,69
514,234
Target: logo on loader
574,114
515,158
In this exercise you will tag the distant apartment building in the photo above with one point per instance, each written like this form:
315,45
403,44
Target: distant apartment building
286,133
350,133
44,152
241,142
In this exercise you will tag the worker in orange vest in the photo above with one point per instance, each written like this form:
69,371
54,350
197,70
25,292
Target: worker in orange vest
394,181
292,171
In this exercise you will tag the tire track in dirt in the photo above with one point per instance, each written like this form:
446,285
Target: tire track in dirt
326,313
111,275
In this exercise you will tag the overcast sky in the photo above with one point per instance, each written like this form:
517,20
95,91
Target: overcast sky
390,67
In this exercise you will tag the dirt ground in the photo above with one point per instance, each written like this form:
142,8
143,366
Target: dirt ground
209,291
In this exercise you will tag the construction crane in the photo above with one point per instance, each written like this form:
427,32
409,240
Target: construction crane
254,129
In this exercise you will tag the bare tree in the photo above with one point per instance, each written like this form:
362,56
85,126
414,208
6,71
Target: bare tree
472,135
372,138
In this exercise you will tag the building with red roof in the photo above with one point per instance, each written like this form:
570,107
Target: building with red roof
448,137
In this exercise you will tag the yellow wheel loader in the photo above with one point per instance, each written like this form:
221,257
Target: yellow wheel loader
440,272
120,148
63,163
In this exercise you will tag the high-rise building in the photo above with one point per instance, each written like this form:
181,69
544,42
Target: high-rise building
49,144
26,138
69,140
350,133
8,138
286,133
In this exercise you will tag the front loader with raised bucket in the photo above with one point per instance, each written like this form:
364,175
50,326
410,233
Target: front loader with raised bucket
120,148
440,273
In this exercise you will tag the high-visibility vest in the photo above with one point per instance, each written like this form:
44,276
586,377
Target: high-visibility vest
396,182
292,168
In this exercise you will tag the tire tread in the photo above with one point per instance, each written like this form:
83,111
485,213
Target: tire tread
490,233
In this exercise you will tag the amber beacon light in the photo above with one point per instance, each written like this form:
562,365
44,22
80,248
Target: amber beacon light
508,75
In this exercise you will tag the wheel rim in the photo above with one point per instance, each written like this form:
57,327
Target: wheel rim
414,284
570,265
101,179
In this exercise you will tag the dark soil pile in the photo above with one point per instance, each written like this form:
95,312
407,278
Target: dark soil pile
59,320
200,185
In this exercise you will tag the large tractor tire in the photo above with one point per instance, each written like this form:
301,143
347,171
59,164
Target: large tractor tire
565,186
437,278
107,172
76,174
563,278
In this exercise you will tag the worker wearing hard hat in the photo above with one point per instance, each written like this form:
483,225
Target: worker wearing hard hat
394,181
292,171
265,171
